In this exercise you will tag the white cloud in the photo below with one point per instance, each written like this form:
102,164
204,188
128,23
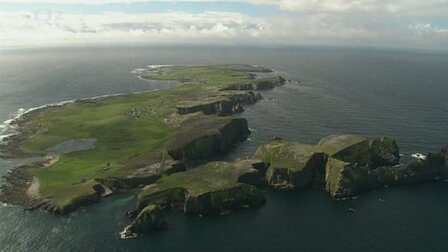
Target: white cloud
23,27
386,6
379,22
404,7
428,29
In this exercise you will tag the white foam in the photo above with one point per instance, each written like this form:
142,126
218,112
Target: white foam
5,136
124,236
157,66
138,70
9,126
418,156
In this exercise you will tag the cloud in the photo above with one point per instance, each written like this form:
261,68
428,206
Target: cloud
372,22
124,27
428,29
403,7
377,6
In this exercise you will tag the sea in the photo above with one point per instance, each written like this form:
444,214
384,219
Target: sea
400,93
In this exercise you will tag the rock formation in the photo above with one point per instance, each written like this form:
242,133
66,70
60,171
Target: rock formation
346,165
213,188
149,219
207,136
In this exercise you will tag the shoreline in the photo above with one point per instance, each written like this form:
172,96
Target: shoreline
11,123
7,141
21,186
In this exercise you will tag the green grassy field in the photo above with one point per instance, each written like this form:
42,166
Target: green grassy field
126,127
212,176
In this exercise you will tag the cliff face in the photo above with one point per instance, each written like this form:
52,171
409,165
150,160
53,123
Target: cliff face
346,165
261,84
207,136
214,188
149,219
224,200
292,165
376,167
141,132
346,179
347,148
224,105
384,151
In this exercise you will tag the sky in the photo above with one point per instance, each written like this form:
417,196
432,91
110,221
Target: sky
382,23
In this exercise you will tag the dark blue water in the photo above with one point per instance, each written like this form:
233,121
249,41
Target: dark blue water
402,94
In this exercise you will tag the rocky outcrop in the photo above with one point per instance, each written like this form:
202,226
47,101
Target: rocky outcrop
143,174
292,165
18,182
348,148
347,179
186,123
207,136
149,219
259,84
434,166
66,207
384,151
15,186
346,165
224,105
213,188
224,201
255,175
171,198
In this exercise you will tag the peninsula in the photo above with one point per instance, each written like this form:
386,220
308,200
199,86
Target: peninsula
92,147
159,144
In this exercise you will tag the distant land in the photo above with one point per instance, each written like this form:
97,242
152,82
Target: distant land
158,144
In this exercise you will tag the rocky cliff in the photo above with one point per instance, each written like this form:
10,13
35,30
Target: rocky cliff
149,219
292,165
207,136
346,165
213,188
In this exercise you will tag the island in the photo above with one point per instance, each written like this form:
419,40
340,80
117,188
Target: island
159,144
92,147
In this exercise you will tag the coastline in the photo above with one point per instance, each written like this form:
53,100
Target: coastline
12,123
20,180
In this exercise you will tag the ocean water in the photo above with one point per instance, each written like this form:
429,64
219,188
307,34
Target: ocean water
401,94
